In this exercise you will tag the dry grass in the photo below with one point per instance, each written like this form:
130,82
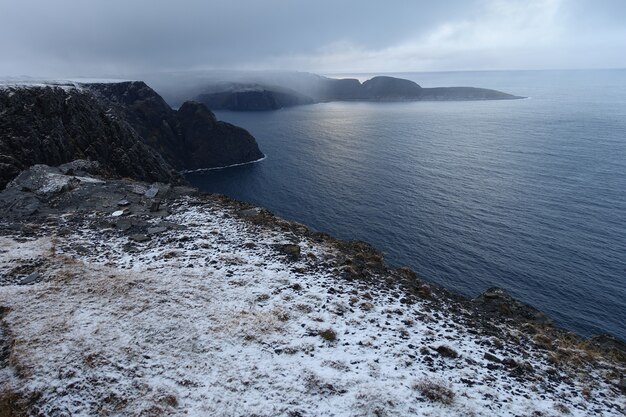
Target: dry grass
435,391
329,335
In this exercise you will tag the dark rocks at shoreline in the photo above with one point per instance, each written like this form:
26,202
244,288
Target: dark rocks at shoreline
126,127
496,301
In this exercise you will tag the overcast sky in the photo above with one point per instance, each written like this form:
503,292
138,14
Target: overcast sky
117,37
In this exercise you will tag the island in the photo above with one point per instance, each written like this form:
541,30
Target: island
241,96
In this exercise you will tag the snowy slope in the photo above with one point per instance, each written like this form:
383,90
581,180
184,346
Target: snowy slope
214,317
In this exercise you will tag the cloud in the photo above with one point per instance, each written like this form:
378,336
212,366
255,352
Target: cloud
501,29
100,38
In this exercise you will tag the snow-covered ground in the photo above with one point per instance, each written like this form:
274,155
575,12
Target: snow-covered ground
213,317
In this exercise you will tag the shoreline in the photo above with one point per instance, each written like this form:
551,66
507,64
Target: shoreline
193,171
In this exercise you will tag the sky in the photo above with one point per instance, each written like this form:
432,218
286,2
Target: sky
101,38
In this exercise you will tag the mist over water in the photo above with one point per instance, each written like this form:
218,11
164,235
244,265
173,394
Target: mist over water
528,195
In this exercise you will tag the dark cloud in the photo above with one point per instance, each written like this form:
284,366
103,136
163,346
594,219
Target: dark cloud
112,37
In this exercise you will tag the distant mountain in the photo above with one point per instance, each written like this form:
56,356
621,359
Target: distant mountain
304,88
240,96
126,127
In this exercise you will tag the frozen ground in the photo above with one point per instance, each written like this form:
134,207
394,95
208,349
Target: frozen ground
218,315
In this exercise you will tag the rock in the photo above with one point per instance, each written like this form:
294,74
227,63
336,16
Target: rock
151,192
155,206
447,352
138,189
123,203
30,278
81,167
139,238
123,225
608,343
510,362
43,180
156,230
18,204
118,213
291,250
492,358
496,301
252,212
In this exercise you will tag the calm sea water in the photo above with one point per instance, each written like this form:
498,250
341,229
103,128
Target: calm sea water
528,195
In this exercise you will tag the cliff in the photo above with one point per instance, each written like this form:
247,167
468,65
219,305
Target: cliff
206,306
126,127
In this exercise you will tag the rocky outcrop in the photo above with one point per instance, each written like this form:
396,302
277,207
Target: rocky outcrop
126,127
496,301
209,142
54,125
190,138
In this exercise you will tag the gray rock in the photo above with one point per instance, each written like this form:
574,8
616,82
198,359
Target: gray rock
155,206
252,212
31,278
156,230
138,189
80,167
15,203
139,238
123,203
497,302
123,225
291,250
492,358
152,192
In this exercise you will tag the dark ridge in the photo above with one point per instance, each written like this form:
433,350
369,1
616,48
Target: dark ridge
126,127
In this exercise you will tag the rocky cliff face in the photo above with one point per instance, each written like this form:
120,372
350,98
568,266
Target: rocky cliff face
127,127
55,125
213,143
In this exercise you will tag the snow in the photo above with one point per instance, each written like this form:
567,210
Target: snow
12,83
209,318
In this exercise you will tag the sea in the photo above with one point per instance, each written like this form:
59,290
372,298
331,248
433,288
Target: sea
527,195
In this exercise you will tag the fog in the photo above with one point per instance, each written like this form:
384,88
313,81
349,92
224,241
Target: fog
115,38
